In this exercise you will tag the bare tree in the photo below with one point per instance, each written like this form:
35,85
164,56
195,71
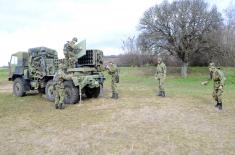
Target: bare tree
181,28
229,34
135,53
130,51
129,45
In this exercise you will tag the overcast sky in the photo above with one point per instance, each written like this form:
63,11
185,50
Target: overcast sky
103,23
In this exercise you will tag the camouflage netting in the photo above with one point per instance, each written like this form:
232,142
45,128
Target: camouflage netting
43,51
42,61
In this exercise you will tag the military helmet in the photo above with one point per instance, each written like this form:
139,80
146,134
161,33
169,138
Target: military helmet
212,64
75,39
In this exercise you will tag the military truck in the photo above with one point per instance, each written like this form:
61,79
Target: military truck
35,69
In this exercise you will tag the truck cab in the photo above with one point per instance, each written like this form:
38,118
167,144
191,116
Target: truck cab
17,65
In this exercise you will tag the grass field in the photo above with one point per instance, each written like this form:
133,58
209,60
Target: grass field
185,122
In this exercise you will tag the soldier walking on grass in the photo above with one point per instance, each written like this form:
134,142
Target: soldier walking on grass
218,77
69,52
113,71
58,80
161,77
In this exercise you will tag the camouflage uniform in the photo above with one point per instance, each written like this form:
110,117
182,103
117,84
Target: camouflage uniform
113,71
69,53
161,77
218,77
58,80
35,67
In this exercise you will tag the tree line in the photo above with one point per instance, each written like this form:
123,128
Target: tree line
190,31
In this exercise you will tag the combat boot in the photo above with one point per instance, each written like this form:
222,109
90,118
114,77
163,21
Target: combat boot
163,94
116,96
217,104
113,95
220,106
56,106
61,106
160,93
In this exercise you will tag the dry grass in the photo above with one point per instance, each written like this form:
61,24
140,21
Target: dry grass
139,122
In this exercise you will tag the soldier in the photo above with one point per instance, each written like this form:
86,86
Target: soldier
113,71
35,67
69,52
58,80
218,77
161,76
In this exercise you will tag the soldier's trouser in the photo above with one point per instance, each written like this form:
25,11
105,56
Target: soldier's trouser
67,63
59,96
73,62
72,59
114,86
161,84
217,94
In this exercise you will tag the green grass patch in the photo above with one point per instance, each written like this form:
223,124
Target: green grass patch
3,75
185,122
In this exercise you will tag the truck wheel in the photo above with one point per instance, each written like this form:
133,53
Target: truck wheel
92,92
50,91
71,93
19,87
96,92
88,92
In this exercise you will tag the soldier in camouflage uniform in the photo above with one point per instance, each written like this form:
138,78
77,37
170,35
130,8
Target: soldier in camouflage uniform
35,67
161,76
113,71
58,80
218,77
69,52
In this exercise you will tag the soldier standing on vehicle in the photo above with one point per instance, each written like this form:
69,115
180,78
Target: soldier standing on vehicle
69,52
58,80
218,77
113,71
161,77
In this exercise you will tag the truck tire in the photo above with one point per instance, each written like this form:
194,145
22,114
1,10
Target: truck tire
92,92
19,87
50,91
71,93
96,92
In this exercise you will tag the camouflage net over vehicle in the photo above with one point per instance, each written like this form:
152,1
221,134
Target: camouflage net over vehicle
36,68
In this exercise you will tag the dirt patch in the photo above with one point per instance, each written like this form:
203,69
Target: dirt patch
131,125
6,88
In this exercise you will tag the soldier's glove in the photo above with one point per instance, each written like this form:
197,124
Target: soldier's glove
204,83
220,87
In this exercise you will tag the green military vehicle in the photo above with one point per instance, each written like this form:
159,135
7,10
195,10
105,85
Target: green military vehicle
35,69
